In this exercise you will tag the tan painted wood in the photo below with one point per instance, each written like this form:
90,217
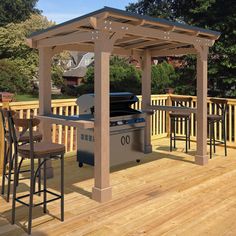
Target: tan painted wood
146,98
61,121
175,52
75,37
45,56
201,155
90,48
171,45
144,44
156,33
58,30
102,190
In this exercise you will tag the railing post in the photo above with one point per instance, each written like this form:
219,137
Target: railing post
7,106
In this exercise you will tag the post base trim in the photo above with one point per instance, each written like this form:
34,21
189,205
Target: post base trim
102,195
201,160
148,149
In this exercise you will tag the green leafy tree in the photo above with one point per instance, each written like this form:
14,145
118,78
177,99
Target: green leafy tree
13,47
15,11
162,76
12,79
125,77
211,14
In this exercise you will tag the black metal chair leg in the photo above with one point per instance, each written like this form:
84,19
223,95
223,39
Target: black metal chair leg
225,137
214,138
186,134
44,188
62,187
39,177
32,185
171,130
14,191
11,159
174,124
211,129
4,167
189,132
18,171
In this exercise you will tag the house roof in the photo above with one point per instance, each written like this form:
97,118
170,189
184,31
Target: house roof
78,72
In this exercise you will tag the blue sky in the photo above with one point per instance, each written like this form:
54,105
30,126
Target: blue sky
63,10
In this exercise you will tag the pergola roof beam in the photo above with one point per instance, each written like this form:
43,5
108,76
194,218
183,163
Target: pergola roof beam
155,33
173,52
77,37
144,44
171,46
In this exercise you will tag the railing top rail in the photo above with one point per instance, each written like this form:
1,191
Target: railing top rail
71,101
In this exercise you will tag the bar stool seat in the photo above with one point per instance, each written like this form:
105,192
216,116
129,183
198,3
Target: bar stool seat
41,150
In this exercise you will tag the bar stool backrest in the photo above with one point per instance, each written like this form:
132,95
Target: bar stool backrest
4,114
220,104
182,101
25,124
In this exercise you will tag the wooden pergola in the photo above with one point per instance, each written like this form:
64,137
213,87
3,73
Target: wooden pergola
111,31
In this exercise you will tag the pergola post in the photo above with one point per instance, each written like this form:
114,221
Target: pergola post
45,56
146,98
102,190
201,155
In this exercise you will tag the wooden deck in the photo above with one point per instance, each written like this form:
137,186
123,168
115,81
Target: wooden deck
167,194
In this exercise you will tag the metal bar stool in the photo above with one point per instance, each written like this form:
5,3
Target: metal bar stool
43,150
8,151
177,116
221,105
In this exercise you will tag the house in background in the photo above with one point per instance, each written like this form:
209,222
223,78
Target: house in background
78,68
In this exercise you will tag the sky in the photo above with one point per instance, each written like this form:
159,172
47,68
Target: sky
63,10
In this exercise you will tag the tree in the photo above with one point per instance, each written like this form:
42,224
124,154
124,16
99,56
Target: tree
211,14
12,79
162,76
15,11
125,77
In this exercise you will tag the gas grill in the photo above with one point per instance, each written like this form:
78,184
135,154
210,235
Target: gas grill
126,130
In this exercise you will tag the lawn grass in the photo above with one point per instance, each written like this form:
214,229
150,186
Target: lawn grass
30,97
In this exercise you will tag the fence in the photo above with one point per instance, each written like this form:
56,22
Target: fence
160,121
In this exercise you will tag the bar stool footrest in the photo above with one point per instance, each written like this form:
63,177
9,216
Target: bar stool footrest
57,197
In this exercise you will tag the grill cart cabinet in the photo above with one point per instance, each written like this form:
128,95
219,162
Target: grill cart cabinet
126,130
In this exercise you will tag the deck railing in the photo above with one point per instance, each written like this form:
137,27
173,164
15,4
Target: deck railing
160,120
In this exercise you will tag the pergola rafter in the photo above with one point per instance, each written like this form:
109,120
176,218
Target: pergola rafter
111,31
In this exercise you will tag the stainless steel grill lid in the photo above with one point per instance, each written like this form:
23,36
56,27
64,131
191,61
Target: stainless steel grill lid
120,103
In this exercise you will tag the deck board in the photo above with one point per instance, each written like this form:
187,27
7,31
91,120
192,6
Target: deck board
167,194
